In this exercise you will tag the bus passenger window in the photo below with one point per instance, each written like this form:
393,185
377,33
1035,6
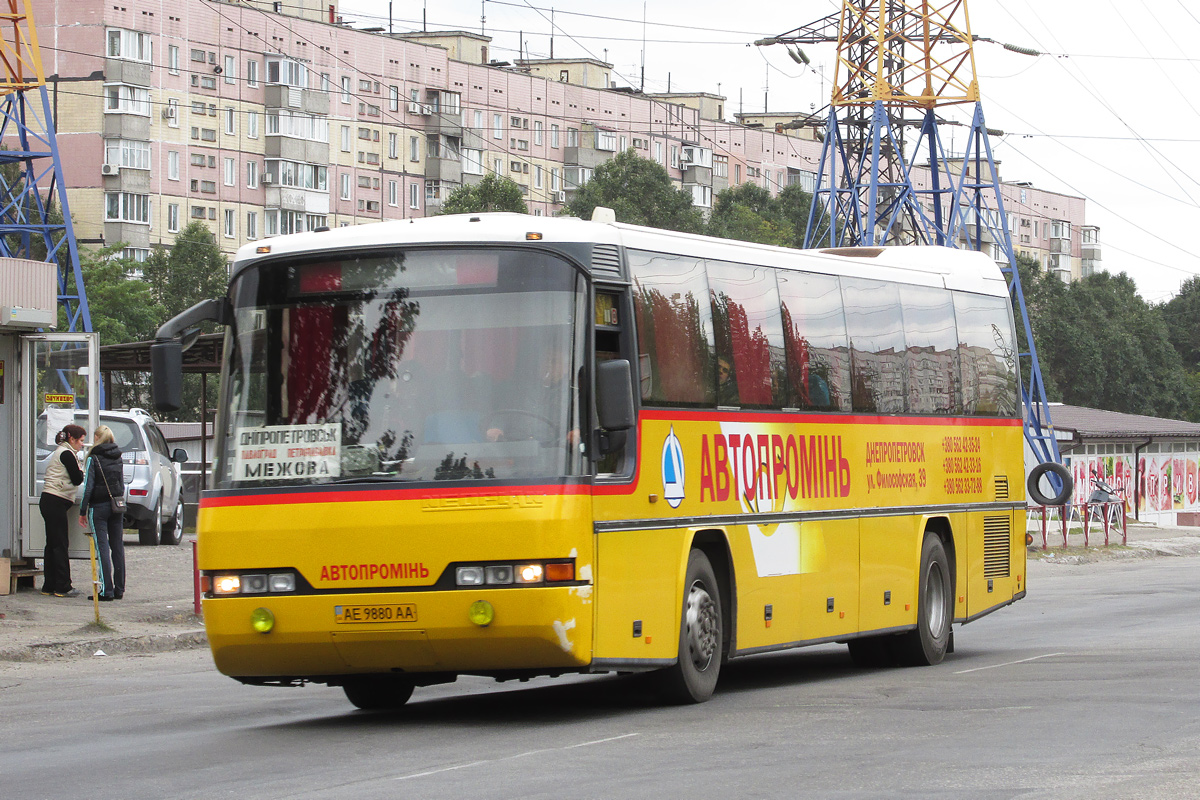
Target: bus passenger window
931,350
818,357
674,326
749,335
876,331
987,349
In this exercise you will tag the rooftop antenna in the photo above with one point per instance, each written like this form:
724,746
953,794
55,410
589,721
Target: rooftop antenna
552,33
642,88
389,17
482,17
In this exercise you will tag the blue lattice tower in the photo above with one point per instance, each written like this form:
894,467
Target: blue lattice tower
899,61
32,191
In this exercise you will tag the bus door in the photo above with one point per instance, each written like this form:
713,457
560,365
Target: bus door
59,379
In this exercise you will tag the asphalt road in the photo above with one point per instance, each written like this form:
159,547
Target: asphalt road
1090,688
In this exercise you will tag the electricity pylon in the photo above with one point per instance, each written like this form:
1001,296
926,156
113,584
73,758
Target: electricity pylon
32,190
898,61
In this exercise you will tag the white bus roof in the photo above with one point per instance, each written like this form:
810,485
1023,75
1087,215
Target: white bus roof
963,270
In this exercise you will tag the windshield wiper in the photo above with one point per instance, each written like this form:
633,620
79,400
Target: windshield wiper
373,479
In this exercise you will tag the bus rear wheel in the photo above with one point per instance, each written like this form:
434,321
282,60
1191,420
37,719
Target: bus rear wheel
377,692
927,645
693,677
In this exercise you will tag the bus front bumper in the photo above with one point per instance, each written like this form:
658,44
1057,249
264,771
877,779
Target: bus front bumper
538,628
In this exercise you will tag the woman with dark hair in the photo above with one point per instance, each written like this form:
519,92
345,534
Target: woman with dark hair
104,482
58,494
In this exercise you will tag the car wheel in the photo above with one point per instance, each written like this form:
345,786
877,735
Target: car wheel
150,531
378,692
172,532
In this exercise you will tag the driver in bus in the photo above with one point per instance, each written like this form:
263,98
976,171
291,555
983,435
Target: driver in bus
542,398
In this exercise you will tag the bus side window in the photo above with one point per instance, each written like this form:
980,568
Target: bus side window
749,335
608,346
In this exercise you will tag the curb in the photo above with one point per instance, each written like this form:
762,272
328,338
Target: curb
113,645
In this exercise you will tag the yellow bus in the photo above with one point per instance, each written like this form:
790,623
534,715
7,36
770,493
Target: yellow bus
510,446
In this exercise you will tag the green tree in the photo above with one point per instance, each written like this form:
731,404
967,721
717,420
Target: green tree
123,308
1181,315
748,213
493,193
640,192
793,204
194,269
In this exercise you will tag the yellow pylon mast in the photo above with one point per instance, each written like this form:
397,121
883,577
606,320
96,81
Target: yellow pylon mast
35,219
898,62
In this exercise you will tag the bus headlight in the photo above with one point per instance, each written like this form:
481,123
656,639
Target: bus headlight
529,573
469,576
226,584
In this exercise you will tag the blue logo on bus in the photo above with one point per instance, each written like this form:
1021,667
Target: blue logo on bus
672,469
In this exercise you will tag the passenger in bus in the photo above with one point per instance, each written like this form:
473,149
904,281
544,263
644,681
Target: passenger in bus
535,405
727,388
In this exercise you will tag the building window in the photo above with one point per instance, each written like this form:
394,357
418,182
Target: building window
414,148
230,223
173,165
345,185
230,172
251,124
127,153
414,196
720,166
123,99
230,122
173,59
345,88
393,98
230,69
287,72
252,174
537,177
537,132
572,137
251,224
172,217
606,140
554,136
497,126
555,179
127,207
472,161
345,138
129,45
393,193
252,72
393,145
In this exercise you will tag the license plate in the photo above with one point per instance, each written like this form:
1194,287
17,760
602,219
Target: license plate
402,612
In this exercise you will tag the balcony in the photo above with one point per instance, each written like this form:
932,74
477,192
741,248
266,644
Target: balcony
308,101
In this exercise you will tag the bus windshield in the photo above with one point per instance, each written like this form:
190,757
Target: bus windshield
406,365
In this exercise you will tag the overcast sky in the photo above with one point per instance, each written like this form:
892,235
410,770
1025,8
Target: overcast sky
1110,112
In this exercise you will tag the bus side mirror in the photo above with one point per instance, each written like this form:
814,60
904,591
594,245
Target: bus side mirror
166,361
614,395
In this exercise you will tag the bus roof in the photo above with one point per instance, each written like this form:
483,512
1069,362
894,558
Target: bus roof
963,270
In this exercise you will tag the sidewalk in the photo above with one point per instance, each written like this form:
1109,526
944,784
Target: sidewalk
157,615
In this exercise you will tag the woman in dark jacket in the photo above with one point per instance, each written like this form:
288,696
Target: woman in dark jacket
58,495
103,480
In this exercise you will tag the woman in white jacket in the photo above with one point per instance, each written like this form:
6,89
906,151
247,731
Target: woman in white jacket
63,474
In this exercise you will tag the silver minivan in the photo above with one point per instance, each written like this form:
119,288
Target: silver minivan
153,485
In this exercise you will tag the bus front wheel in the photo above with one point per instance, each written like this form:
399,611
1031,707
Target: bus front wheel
927,644
377,692
693,677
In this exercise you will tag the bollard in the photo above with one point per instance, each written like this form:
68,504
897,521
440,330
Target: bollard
195,581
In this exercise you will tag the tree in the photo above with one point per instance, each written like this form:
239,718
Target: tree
194,269
640,192
493,193
748,213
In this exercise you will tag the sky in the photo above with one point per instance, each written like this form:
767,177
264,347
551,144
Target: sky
1109,110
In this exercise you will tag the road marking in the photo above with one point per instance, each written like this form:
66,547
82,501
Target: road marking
1008,663
512,757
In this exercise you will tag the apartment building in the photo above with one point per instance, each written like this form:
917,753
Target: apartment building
263,118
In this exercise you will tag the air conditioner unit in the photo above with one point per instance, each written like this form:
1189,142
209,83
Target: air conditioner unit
168,112
109,169
560,197
268,178
426,110
414,108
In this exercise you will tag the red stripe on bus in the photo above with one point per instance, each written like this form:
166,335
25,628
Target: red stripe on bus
383,495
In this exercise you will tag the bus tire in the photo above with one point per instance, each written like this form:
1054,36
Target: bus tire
693,677
927,645
1033,485
377,692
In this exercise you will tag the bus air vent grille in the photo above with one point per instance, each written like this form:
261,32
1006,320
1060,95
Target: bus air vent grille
606,259
997,546
1001,487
